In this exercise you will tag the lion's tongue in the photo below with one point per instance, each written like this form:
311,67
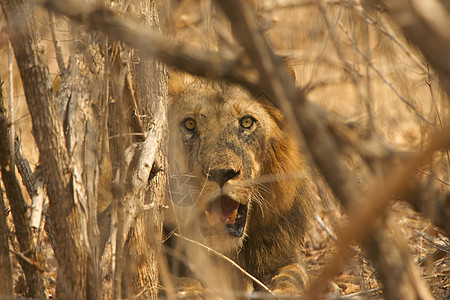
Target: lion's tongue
226,211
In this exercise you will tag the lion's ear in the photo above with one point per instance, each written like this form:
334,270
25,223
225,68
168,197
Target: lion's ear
291,71
178,81
262,96
289,63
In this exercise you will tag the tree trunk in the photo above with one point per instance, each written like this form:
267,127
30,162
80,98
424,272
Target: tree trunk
5,261
83,107
23,232
68,214
138,185
151,92
19,210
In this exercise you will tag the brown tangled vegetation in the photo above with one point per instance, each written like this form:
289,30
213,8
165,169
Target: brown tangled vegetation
87,84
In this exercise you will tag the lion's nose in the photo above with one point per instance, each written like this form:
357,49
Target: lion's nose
222,175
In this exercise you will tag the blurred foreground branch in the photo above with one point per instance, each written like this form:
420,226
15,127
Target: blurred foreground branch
324,140
223,64
364,215
426,25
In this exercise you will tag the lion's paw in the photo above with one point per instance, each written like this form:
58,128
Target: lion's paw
189,288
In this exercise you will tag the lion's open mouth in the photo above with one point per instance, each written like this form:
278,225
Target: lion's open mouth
229,212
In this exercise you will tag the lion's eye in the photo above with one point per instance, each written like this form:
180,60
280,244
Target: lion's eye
247,122
190,124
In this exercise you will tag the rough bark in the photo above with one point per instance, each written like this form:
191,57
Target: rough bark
23,166
48,132
130,204
137,112
19,210
151,93
34,185
5,260
23,233
119,140
83,110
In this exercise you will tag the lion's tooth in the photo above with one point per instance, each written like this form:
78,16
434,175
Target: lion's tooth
210,217
231,218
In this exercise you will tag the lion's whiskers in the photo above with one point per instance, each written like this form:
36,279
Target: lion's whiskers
260,199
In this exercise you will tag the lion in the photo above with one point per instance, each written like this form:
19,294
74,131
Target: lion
246,180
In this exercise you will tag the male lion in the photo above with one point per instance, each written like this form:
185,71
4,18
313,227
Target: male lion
246,180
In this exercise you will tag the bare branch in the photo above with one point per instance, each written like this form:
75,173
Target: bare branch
19,210
436,243
6,282
37,205
49,136
426,25
226,64
146,157
321,133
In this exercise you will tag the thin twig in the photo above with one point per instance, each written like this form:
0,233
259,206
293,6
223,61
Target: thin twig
370,19
22,257
426,24
433,100
355,77
368,98
434,177
432,241
233,263
325,227
378,72
320,57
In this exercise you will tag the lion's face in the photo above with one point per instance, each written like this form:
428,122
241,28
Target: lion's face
226,141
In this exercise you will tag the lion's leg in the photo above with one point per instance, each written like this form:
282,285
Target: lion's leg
290,280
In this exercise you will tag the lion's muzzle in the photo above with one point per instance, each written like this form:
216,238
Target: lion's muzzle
225,209
221,176
231,213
